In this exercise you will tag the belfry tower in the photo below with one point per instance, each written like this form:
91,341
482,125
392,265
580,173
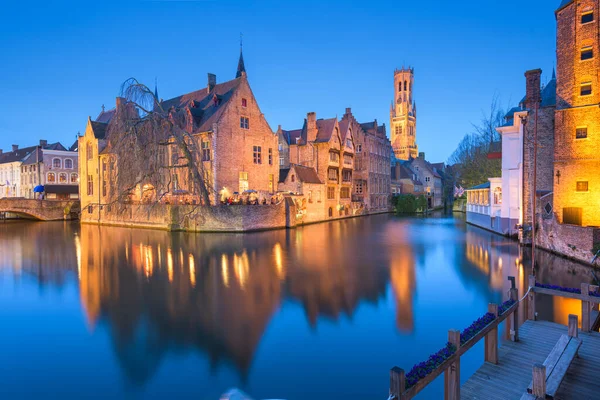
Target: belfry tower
403,115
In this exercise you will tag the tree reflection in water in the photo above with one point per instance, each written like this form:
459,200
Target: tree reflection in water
161,292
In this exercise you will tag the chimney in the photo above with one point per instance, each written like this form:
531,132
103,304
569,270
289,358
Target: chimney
311,126
43,143
212,81
348,111
120,103
15,147
0,152
533,88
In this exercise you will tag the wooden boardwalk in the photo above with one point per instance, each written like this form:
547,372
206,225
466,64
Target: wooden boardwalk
513,373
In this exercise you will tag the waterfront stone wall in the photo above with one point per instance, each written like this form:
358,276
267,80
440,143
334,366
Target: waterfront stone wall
572,241
237,218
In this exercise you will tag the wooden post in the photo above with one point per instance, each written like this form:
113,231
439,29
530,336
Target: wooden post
491,339
397,383
573,321
452,374
585,308
531,299
539,381
514,333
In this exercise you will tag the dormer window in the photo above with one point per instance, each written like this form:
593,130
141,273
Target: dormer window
587,17
244,103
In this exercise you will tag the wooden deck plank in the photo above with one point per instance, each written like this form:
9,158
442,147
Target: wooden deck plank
511,376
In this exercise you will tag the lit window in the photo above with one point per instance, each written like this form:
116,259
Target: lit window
51,177
244,123
581,133
587,53
243,182
68,163
330,193
332,174
256,154
244,103
586,89
74,178
587,17
62,177
56,163
582,186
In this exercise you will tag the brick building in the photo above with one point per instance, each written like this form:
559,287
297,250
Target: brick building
403,115
577,130
10,170
372,178
431,179
231,138
328,147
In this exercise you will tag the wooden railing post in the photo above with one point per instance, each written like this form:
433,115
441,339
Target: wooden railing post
397,383
586,310
573,321
452,374
491,339
531,299
514,318
539,381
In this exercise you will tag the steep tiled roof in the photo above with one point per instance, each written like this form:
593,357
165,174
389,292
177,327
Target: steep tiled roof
368,125
563,4
283,173
74,146
306,174
32,159
381,130
202,105
99,129
291,136
549,94
18,155
106,116
325,129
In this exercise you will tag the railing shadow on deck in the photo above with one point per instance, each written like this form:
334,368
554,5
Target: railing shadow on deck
404,386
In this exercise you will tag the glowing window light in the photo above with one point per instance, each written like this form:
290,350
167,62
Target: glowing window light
170,264
225,270
192,270
277,252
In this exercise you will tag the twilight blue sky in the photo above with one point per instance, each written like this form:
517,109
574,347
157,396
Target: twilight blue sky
60,61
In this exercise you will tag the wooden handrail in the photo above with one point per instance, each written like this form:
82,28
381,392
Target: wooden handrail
398,375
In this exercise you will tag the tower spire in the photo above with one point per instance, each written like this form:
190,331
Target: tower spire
241,69
553,73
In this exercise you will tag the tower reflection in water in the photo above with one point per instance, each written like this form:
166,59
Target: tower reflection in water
159,293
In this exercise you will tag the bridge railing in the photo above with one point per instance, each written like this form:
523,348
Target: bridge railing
405,385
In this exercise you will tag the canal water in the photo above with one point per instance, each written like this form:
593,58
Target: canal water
320,312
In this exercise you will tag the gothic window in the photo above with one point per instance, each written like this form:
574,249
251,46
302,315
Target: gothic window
405,85
587,17
68,163
90,185
89,151
399,86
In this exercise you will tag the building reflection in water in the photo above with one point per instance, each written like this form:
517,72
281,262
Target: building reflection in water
159,292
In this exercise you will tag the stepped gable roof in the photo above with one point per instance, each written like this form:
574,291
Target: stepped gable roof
381,129
106,116
283,173
367,126
325,129
306,174
205,107
18,155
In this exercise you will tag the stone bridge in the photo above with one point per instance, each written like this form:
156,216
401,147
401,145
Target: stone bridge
43,210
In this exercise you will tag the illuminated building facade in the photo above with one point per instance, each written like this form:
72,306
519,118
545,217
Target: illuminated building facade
403,115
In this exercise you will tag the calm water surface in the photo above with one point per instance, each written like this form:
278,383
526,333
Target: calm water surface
319,312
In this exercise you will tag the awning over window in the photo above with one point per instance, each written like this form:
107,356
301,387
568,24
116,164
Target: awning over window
62,189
